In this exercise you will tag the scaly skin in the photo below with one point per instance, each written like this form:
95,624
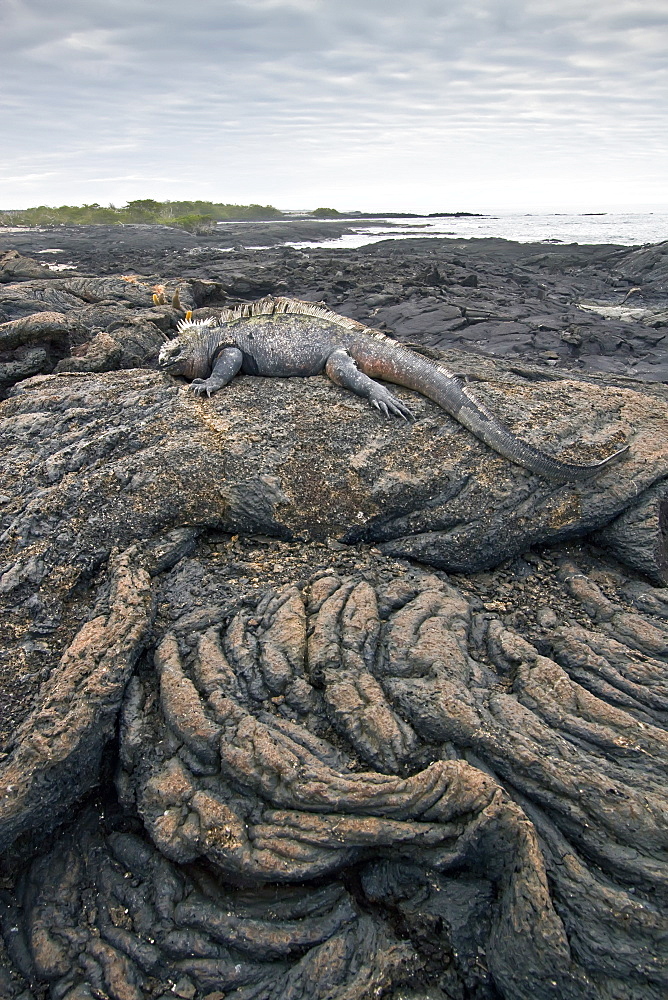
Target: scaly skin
286,338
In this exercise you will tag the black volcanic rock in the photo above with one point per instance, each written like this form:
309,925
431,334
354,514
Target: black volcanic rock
419,290
296,702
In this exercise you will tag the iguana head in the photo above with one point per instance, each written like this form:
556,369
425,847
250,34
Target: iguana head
189,353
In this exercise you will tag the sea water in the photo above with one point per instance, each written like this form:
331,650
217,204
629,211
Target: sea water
628,229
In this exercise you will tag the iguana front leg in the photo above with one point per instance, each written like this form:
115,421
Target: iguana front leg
225,367
342,370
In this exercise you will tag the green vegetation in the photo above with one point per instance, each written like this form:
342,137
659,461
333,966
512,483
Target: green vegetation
325,213
193,223
191,215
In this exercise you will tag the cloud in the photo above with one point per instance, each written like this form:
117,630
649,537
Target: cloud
300,98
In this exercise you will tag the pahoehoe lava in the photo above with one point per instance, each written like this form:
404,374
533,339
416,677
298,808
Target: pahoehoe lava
298,702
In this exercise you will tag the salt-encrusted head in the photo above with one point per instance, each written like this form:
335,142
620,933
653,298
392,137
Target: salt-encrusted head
188,353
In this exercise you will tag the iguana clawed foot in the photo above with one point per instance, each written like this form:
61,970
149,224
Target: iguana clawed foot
200,386
388,404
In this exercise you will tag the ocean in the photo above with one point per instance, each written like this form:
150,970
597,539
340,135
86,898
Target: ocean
626,229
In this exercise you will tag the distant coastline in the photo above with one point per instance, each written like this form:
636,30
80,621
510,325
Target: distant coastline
262,227
192,216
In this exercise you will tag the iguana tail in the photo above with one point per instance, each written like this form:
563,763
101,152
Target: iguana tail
404,367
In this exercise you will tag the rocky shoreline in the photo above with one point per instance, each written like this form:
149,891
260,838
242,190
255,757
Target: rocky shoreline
299,703
594,308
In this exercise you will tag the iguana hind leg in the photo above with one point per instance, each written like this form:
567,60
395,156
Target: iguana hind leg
342,370
225,367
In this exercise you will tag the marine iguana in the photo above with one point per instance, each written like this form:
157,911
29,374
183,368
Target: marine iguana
284,338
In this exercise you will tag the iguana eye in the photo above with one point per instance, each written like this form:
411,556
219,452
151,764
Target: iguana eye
169,354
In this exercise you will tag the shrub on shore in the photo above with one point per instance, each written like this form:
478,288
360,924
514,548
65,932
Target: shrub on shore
191,215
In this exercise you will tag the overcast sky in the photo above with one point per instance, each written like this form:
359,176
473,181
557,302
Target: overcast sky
428,105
